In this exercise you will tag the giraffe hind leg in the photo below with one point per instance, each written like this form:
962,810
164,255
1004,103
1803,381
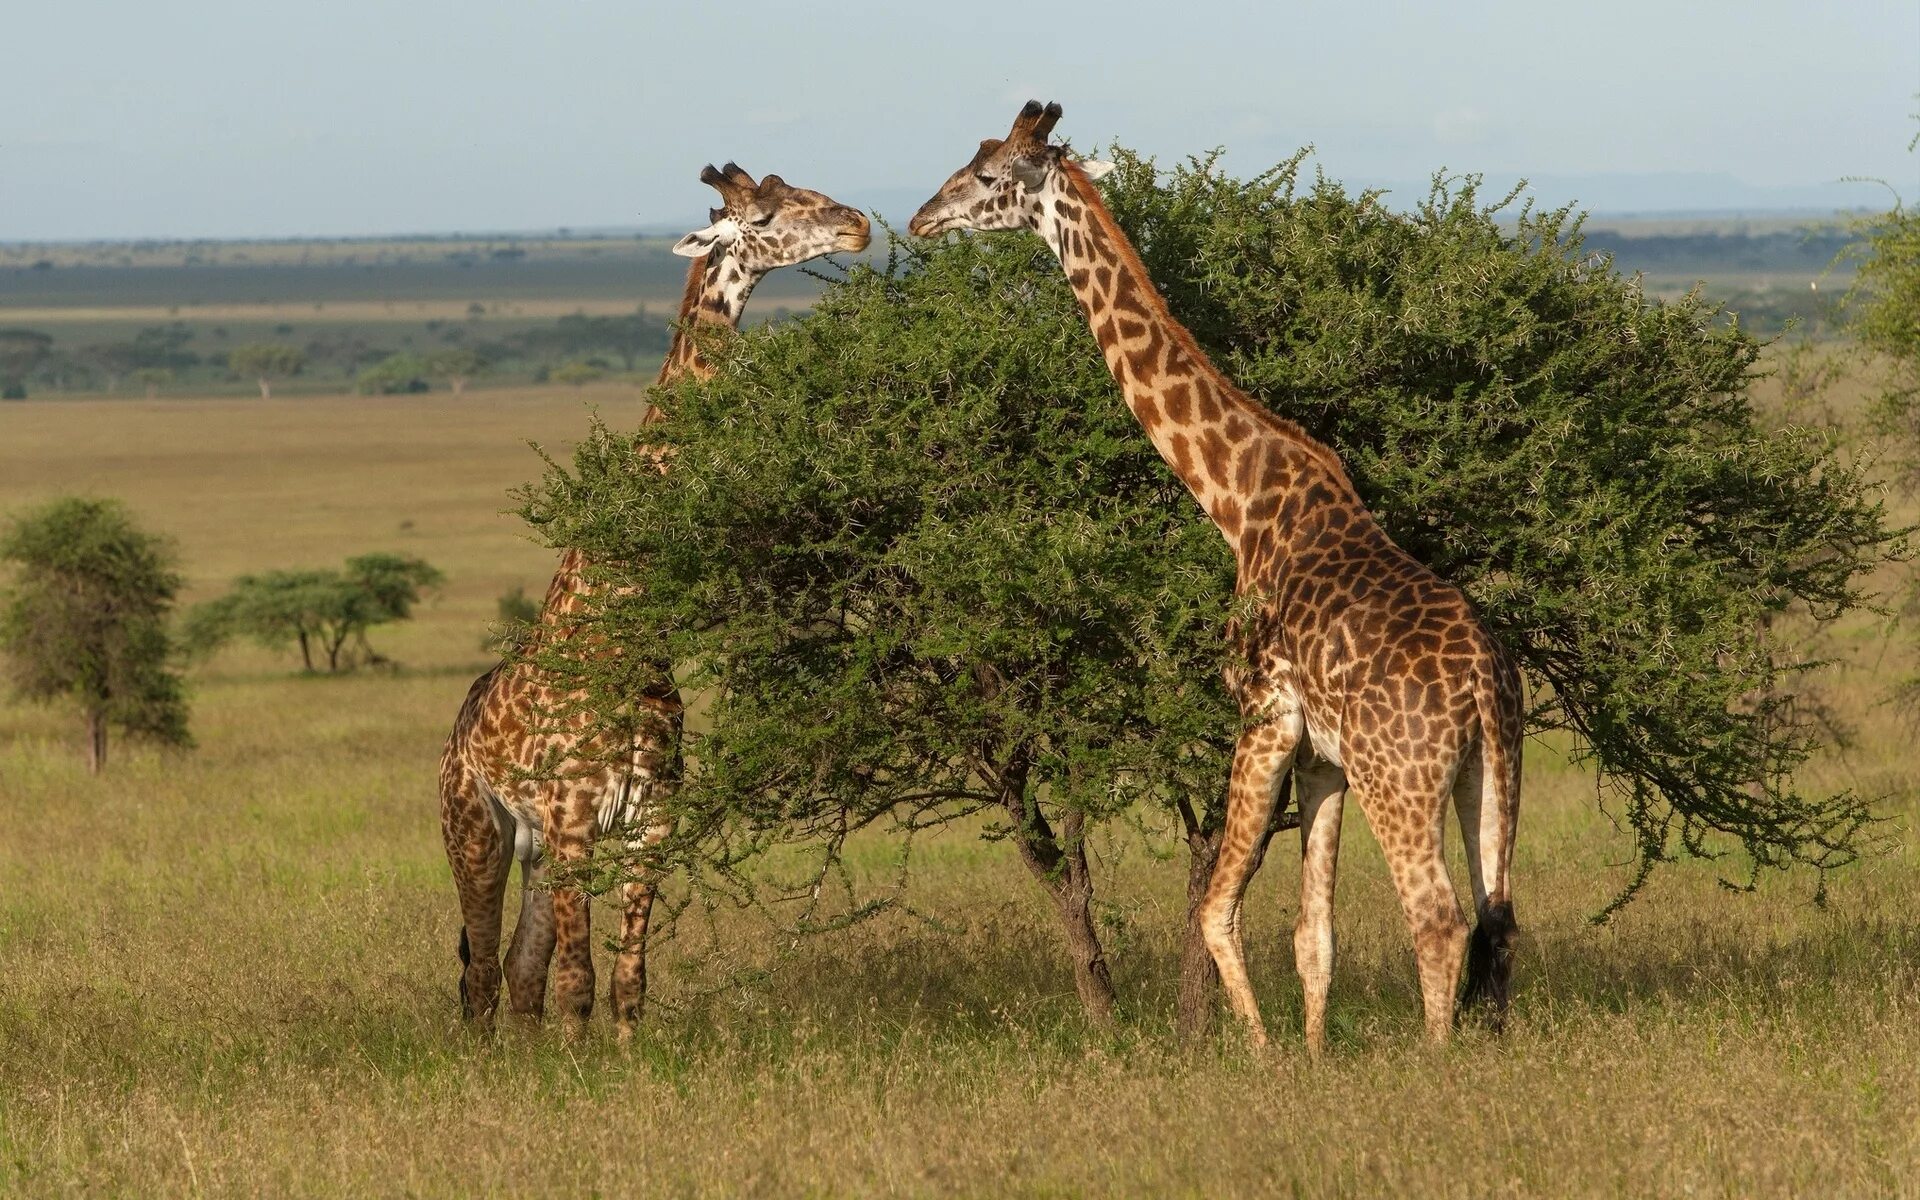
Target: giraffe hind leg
476,853
1417,863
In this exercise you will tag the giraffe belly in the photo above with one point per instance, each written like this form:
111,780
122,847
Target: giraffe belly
620,802
520,826
1323,737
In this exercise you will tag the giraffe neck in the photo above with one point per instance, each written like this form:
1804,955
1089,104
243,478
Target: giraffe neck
716,293
1233,453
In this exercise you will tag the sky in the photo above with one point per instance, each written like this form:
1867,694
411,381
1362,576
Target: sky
215,118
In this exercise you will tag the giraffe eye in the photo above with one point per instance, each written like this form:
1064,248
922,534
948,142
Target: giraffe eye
763,222
985,178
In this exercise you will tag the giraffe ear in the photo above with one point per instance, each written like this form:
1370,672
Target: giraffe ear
700,241
1095,169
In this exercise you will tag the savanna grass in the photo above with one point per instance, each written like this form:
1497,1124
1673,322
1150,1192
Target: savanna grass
232,972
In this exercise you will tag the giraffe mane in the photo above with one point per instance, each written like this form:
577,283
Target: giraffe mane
1291,431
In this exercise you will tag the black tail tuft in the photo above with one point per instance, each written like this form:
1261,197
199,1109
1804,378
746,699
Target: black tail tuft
1490,963
466,959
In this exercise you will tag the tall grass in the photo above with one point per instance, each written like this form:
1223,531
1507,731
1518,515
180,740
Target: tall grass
232,972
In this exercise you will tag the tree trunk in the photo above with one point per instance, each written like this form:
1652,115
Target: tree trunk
306,651
1062,870
1199,978
266,388
96,741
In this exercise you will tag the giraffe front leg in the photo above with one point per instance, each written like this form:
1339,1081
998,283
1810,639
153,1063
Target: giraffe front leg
1260,762
630,966
1321,789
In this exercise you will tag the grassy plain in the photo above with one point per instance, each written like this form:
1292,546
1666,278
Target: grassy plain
232,971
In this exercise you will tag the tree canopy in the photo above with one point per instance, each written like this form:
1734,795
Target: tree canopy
85,620
324,612
265,362
918,555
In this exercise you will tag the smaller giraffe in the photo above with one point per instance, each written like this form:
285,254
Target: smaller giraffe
522,778
1360,668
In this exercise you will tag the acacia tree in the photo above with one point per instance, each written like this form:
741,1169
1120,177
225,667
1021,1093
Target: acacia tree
457,366
326,613
153,379
926,565
265,362
85,620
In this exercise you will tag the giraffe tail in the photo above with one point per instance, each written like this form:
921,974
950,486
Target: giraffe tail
466,959
1490,952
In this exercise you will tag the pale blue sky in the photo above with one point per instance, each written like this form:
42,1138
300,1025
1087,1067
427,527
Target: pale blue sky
222,118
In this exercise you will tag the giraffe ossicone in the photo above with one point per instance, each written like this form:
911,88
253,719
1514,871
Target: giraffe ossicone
524,776
1355,666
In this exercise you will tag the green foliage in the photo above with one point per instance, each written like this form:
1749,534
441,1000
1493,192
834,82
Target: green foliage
21,350
914,540
578,373
85,619
265,362
916,582
397,374
269,360
153,378
457,365
324,612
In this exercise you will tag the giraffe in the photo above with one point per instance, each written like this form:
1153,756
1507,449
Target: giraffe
1354,665
521,779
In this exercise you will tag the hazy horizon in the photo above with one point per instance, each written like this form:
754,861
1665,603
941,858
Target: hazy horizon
219,120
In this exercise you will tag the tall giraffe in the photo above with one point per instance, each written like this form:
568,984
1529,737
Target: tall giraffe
1355,666
521,778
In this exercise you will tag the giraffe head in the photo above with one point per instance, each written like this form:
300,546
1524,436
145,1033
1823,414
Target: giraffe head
1001,185
771,224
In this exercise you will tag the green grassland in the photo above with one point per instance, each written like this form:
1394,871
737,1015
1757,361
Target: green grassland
232,971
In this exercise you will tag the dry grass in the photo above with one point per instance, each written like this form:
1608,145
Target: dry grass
232,972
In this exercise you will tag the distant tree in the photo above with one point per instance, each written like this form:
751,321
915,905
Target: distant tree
577,336
324,612
265,362
578,373
162,346
457,366
516,612
85,620
113,360
397,374
153,379
21,350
